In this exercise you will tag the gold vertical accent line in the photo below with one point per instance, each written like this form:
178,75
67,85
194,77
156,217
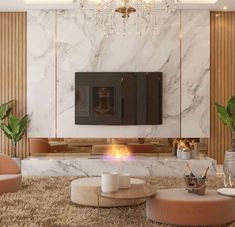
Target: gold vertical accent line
56,75
181,37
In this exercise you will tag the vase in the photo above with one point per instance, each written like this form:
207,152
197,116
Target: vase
178,153
229,163
185,154
109,182
233,141
17,161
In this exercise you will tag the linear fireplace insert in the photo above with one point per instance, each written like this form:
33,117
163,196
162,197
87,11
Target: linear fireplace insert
112,98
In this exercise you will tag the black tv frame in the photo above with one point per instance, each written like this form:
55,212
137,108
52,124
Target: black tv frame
135,97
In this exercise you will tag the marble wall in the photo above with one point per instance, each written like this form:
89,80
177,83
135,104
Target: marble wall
195,76
41,73
81,49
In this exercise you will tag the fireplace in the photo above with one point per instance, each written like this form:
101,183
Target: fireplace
103,98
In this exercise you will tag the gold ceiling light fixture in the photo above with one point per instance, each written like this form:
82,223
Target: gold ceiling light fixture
124,16
127,16
132,16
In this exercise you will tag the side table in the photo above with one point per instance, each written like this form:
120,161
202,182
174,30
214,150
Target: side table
178,207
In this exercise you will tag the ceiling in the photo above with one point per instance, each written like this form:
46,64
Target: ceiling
18,5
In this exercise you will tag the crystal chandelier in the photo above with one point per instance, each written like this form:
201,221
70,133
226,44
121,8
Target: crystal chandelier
127,16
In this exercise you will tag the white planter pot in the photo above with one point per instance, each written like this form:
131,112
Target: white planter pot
194,154
178,154
109,182
229,163
18,161
185,155
124,181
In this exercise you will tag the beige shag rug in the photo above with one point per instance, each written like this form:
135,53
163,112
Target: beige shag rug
45,202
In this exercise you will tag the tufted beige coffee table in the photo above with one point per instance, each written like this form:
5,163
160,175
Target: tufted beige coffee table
178,207
84,192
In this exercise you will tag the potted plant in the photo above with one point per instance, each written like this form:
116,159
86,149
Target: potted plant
14,128
5,110
227,115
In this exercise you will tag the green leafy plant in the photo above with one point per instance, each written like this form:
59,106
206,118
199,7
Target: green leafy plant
227,115
5,110
15,129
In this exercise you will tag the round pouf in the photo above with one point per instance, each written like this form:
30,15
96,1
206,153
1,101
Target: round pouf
178,207
84,192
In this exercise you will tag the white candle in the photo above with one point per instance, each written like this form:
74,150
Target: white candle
124,180
109,182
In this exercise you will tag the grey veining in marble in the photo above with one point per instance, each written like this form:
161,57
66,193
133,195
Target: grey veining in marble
195,73
139,166
41,73
82,49
79,48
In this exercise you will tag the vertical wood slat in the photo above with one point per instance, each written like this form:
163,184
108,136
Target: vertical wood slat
222,78
13,71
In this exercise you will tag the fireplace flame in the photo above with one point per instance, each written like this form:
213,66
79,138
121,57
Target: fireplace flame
118,152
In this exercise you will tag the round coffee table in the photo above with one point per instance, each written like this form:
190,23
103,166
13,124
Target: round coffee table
178,207
84,192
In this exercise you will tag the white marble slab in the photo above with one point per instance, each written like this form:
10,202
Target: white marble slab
138,166
41,73
82,49
195,78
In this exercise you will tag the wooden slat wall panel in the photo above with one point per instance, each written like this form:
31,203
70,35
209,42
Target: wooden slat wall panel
13,70
222,78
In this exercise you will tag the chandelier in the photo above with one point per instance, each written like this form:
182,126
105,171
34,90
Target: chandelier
127,16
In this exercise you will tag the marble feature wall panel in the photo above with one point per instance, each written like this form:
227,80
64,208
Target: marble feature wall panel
53,61
41,73
195,76
86,50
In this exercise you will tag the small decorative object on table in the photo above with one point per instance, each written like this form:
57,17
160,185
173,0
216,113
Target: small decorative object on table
186,149
109,182
185,154
196,184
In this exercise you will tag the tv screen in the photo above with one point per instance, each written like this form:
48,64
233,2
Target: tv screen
112,98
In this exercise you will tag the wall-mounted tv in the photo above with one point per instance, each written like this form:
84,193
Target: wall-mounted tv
113,98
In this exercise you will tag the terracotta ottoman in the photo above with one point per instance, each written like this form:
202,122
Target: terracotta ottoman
10,183
84,192
178,207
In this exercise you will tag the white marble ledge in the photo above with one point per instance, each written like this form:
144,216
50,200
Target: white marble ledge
94,166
